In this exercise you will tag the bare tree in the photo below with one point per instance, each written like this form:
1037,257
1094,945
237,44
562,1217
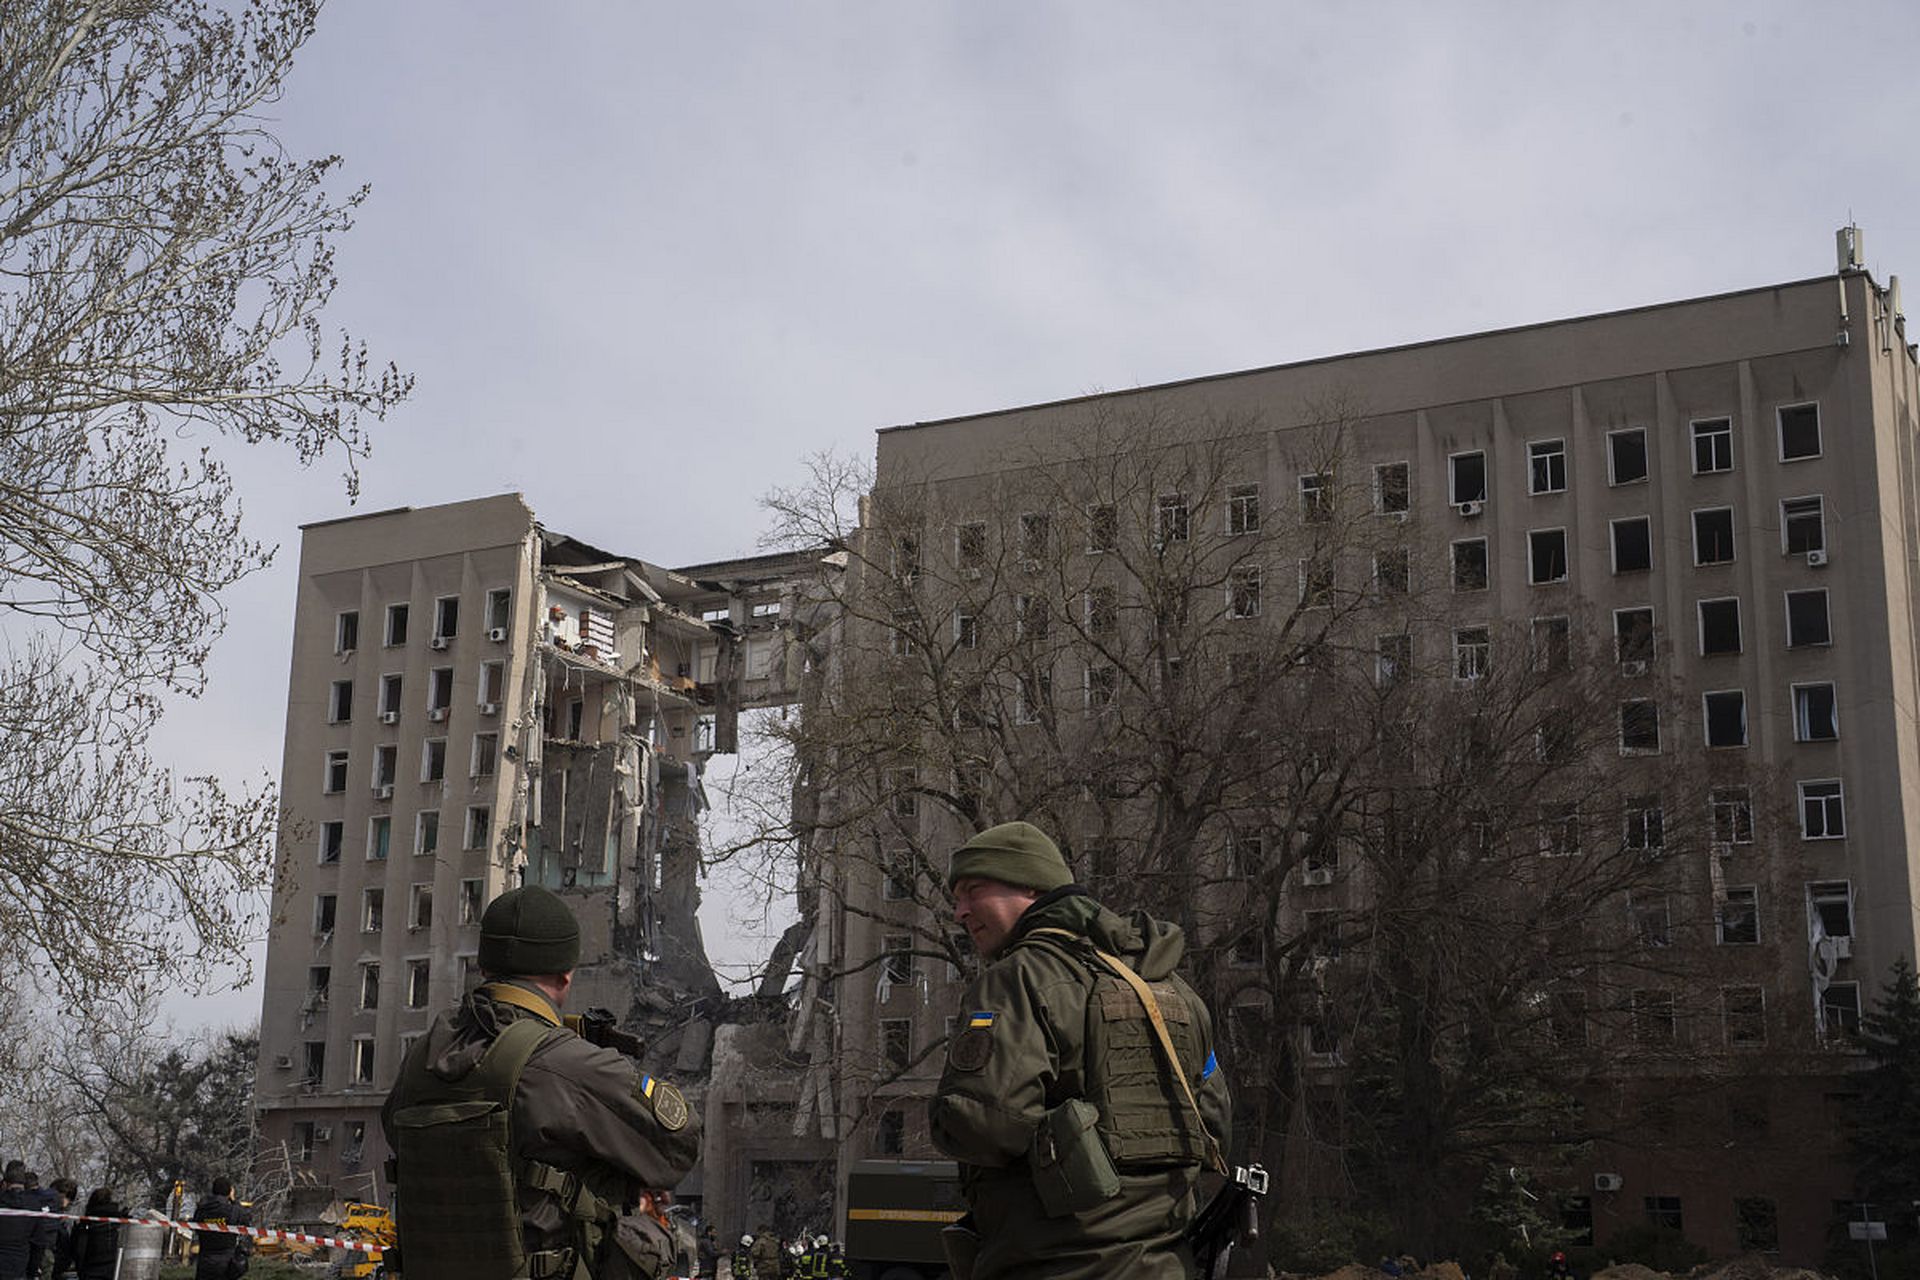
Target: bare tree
163,267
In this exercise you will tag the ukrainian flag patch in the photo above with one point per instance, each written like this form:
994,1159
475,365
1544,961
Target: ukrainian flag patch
1213,1065
646,1086
983,1018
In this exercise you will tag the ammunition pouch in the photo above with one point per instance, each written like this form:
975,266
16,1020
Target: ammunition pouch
636,1248
1071,1169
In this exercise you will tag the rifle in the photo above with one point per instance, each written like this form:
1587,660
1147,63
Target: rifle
598,1026
1231,1217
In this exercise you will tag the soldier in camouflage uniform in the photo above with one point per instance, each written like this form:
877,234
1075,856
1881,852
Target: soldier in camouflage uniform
1079,1151
523,1150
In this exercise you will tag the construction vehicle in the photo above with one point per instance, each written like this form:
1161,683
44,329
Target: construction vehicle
895,1212
366,1222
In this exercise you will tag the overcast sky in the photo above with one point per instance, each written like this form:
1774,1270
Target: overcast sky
644,257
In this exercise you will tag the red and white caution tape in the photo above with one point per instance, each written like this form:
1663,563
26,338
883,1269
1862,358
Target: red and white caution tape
252,1233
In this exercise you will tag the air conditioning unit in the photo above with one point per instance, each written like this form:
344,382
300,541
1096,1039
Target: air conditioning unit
389,717
323,1133
1317,876
439,642
1817,559
489,708
436,714
284,1062
1608,1182
1398,517
497,634
384,791
1469,509
1633,667
1842,947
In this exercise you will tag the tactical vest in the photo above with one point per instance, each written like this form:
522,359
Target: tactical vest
458,1212
1145,1122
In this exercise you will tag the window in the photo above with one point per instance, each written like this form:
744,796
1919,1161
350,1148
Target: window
1243,590
966,629
1550,645
433,760
1756,1224
1744,1016
1726,717
1323,930
900,634
319,983
363,1060
1627,456
499,611
1640,727
1546,556
1034,697
1832,904
336,774
446,617
1472,652
370,984
1712,445
1103,611
1032,618
379,837
1799,432
479,826
1103,528
890,1134
1713,535
1547,466
970,548
1719,627
1470,565
346,631
373,910
1651,919
1633,635
313,1071
1567,1018
1390,575
896,869
1170,519
1316,498
340,702
896,964
390,695
493,686
1036,536
1822,810
386,765
324,909
419,979
1737,922
1393,658
903,792
1653,1018
1467,478
333,836
1391,491
426,832
1316,584
396,624
1840,1009
439,692
486,750
1103,682
1646,826
1803,525
1815,715
472,893
1732,812
1807,620
1243,509
896,1043
1632,544
420,907
1559,830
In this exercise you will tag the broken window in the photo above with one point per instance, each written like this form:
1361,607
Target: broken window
1807,620
433,759
1653,1024
439,692
1036,536
1737,922
1652,921
493,687
370,984
324,907
1816,717
1640,725
896,869
1546,556
1719,627
1803,525
479,826
486,751
1316,497
390,697
900,634
1390,572
363,1060
1470,564
472,893
1712,445
1323,932
966,628
1467,478
1316,585
336,776
1103,528
1472,653
1391,489
313,1071
1547,466
333,836
319,981
896,1043
1550,644
1726,717
1632,545
396,624
970,548
340,702
386,765
346,631
426,832
420,907
890,1134
499,613
1032,618
1832,905
1799,432
1243,509
1732,809
1170,519
1103,611
1393,658
1633,635
373,910
897,958
1034,698
1756,1223
419,979
1646,827
1713,535
903,791
379,838
1627,456
1103,682
1840,1009
446,618
1560,830
1822,810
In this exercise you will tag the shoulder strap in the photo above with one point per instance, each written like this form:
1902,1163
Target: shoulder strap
1122,970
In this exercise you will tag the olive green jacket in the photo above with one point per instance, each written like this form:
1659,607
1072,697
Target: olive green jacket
990,1102
580,1107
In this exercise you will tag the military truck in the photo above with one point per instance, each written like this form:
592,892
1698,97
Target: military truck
895,1210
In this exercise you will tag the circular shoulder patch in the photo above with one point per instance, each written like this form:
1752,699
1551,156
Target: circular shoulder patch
670,1107
971,1049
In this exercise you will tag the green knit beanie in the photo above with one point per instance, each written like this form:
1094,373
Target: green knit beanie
1016,853
528,932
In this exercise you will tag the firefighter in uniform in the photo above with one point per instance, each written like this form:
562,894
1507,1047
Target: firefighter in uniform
1081,1093
523,1151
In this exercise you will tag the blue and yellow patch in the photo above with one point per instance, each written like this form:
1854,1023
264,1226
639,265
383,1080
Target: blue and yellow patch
983,1018
1213,1065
